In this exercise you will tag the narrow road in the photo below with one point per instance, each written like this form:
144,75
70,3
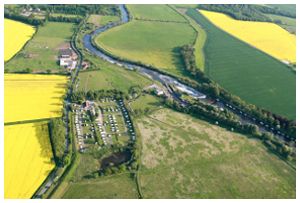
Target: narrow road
50,179
166,80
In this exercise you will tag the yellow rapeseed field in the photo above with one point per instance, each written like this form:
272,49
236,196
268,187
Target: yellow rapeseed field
267,37
16,34
29,97
27,159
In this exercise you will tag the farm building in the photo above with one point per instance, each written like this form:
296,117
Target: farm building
67,58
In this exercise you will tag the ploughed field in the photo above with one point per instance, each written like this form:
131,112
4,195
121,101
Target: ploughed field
247,72
27,157
31,97
267,37
190,158
16,35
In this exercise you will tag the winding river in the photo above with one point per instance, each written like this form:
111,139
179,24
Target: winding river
167,80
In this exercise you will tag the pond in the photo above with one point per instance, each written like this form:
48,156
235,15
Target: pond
115,159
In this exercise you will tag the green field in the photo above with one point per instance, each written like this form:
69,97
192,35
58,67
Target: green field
183,157
111,187
284,7
155,12
153,43
41,52
100,20
247,72
287,23
111,77
199,43
146,101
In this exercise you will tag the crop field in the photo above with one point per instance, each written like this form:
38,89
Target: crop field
190,158
155,12
153,43
247,72
265,36
287,23
111,187
29,97
27,155
16,35
41,53
100,20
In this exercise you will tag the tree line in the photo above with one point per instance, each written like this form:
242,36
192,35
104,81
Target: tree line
215,91
81,9
230,121
246,12
27,20
80,96
57,130
66,19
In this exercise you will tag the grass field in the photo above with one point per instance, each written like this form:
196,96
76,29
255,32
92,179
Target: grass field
153,43
41,53
287,23
106,78
113,187
146,101
247,72
29,97
155,12
16,34
285,7
100,20
183,157
199,43
267,37
27,159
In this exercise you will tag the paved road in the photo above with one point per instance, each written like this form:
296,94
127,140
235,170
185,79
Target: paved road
50,179
165,80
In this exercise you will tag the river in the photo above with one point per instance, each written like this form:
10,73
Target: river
166,80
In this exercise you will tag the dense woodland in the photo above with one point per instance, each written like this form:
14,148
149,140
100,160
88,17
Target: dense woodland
247,12
80,11
57,130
